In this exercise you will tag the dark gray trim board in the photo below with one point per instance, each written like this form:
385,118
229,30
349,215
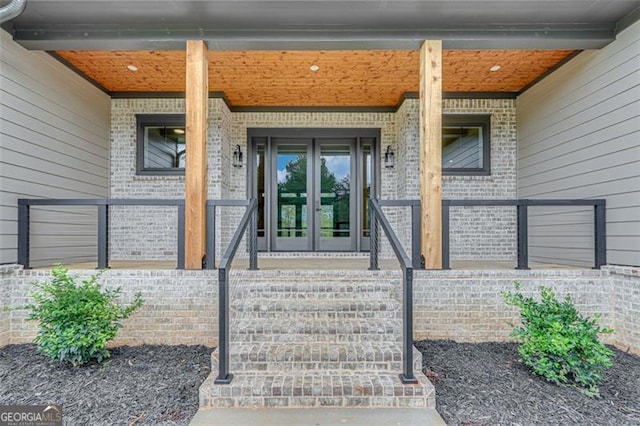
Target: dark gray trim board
110,37
312,132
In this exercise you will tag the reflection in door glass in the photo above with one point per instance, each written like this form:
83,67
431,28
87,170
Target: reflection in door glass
260,161
367,167
335,190
291,169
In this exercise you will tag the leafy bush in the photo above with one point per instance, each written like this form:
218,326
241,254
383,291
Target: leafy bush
76,320
558,343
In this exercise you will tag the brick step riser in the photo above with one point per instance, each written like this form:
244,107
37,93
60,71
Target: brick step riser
363,281
311,401
333,390
395,366
300,388
318,315
317,278
297,365
316,306
315,338
369,326
249,327
356,286
288,362
312,295
360,283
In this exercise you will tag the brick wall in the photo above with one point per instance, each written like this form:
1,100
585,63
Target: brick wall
476,233
467,305
486,232
145,234
6,289
626,306
181,306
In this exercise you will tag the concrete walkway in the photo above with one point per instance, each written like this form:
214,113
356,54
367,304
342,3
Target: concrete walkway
317,417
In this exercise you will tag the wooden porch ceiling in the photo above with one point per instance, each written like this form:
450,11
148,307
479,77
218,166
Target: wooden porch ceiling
372,78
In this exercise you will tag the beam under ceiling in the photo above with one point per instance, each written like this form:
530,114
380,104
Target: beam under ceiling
318,25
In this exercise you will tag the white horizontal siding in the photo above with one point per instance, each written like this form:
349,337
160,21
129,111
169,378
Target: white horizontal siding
579,137
54,143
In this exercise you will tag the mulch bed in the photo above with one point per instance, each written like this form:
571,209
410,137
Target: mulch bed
476,384
485,384
137,385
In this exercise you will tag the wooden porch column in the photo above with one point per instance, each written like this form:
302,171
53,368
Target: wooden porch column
197,114
431,152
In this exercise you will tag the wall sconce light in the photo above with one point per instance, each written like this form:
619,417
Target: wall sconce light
237,157
389,158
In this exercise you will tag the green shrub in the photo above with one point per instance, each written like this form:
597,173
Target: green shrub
76,320
558,343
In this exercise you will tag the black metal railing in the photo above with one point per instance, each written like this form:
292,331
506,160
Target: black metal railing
250,217
102,204
211,231
378,217
522,205
415,206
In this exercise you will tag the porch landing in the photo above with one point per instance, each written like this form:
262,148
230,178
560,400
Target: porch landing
317,261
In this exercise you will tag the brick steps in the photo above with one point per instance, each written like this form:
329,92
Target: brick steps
271,290
318,389
309,292
385,356
316,330
316,308
332,338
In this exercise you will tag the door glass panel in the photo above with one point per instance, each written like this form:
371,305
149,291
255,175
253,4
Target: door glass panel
367,168
291,211
260,162
335,191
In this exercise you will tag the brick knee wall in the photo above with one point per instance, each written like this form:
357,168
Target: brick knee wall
6,274
181,307
468,306
626,306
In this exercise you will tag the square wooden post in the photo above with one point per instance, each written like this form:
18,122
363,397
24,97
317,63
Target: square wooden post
197,115
431,152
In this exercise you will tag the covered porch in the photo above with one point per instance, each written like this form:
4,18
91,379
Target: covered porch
225,90
310,189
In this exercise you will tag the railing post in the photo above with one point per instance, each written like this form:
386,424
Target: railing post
103,234
253,238
445,235
181,236
416,235
211,236
224,377
600,234
523,235
373,238
24,217
407,376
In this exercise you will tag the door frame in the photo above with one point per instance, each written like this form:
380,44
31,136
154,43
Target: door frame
266,134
